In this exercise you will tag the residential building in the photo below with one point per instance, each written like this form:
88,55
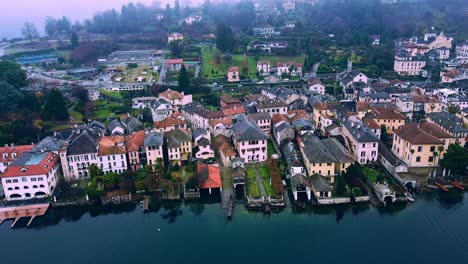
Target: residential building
263,121
229,101
462,52
265,32
174,37
451,124
416,144
361,140
326,157
170,123
78,152
316,85
93,94
175,98
160,109
221,126
263,67
282,128
203,148
233,74
387,116
112,154
143,102
289,68
292,155
9,153
209,177
225,149
405,64
199,116
32,175
116,128
249,140
153,148
174,64
271,106
179,145
134,145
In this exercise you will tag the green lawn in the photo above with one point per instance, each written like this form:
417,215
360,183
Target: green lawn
103,109
268,188
220,70
77,116
114,95
264,172
252,189
250,173
274,59
270,149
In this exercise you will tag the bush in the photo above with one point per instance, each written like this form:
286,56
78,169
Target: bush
357,192
132,65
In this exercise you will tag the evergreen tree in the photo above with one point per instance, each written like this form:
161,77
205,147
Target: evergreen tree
54,106
456,159
184,79
224,38
74,40
10,97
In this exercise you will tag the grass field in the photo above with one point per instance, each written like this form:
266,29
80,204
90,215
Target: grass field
103,109
131,74
113,95
213,70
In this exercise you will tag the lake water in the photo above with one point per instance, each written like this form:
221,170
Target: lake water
431,230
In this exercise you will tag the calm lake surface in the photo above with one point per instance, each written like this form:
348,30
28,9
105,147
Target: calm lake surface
434,229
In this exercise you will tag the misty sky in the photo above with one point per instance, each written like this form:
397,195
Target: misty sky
15,12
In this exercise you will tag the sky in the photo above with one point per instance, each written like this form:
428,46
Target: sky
15,12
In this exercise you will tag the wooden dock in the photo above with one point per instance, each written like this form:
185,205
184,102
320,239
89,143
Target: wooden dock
18,212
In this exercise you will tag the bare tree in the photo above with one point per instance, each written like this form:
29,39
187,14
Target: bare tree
29,31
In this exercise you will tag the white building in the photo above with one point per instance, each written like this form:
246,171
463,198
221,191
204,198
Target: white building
362,141
112,154
33,175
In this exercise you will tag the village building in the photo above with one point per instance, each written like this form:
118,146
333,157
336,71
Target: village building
112,154
263,121
10,153
203,148
175,98
416,144
451,124
316,85
263,67
225,149
134,145
209,177
249,140
153,149
171,123
361,140
289,68
233,74
326,157
271,106
179,145
31,175
199,116
176,36
221,126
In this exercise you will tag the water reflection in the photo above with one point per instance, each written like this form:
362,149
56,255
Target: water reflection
171,211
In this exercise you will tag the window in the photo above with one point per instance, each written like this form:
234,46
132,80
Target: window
8,181
418,159
431,159
432,148
40,179
420,148
24,179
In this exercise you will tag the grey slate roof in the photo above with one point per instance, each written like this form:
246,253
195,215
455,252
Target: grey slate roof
83,142
359,130
115,124
175,137
448,121
291,154
324,150
244,130
133,124
320,183
48,144
153,139
96,124
199,132
203,142
259,116
270,103
299,179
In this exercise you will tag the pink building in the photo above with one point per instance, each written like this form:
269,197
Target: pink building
361,140
249,140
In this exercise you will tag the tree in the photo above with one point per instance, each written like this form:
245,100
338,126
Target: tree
29,31
176,47
74,40
384,134
184,78
224,37
453,108
340,185
50,26
12,73
54,106
10,97
456,159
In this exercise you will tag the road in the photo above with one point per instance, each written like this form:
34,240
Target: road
163,73
2,49
314,69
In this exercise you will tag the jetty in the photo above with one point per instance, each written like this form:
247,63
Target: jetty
230,207
18,212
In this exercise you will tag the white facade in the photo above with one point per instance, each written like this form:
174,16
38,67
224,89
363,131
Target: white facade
75,167
113,163
252,150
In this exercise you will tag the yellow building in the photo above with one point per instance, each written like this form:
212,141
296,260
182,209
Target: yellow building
420,144
389,117
326,157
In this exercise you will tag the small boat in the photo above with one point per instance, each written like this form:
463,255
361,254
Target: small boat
409,197
300,204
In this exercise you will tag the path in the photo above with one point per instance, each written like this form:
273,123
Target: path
259,180
314,69
228,188
162,74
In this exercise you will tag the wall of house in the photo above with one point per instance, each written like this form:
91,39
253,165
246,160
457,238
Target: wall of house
113,163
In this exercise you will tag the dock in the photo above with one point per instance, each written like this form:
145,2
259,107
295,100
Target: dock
18,212
230,209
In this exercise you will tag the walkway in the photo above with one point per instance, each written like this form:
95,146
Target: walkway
259,180
162,74
226,195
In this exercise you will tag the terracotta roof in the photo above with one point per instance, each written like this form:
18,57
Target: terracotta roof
224,146
421,134
297,114
226,121
135,141
169,122
9,150
229,99
175,61
363,106
233,69
369,122
313,81
208,176
112,145
236,110
387,113
452,73
171,95
30,164
277,118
